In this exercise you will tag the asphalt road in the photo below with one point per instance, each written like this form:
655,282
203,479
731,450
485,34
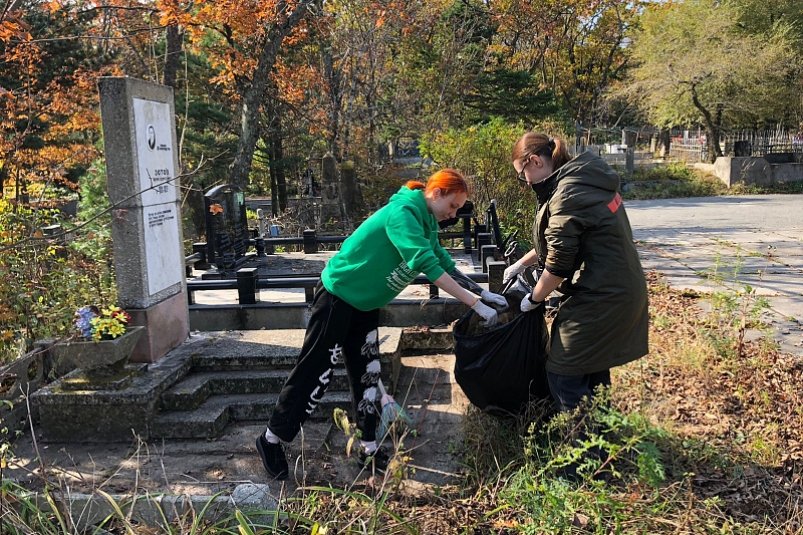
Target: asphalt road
730,243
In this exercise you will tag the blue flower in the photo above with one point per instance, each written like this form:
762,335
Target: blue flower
83,320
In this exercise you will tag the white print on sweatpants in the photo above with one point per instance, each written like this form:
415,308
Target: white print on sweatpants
336,355
335,358
367,404
370,350
372,373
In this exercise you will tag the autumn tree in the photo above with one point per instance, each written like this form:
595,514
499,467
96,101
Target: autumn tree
758,16
572,48
48,98
697,65
360,48
48,137
441,65
762,18
248,40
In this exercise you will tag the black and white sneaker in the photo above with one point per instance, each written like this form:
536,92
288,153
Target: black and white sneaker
274,459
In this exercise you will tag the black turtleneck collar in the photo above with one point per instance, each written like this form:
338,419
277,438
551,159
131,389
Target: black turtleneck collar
544,189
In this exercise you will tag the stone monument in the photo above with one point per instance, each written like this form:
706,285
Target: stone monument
331,204
141,162
227,235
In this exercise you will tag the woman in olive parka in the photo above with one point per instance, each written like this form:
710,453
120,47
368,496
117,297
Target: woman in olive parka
584,245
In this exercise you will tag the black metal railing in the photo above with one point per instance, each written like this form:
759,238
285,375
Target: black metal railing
486,239
310,242
248,283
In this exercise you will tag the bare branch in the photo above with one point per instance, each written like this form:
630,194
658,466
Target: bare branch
34,239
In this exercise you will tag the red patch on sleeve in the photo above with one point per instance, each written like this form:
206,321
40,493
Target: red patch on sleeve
614,205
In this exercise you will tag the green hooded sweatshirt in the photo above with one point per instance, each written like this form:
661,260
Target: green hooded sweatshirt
582,233
386,252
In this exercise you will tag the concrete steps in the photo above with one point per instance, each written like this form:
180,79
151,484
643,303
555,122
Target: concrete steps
211,417
211,380
237,377
191,392
221,362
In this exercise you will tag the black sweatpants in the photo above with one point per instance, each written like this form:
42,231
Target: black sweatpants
337,332
568,390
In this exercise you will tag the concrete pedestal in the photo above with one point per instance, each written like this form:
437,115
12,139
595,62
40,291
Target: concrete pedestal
169,326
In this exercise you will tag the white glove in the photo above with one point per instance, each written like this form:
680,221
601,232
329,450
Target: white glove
488,315
527,305
512,270
493,299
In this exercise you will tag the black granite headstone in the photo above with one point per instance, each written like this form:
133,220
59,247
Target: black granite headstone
227,235
742,148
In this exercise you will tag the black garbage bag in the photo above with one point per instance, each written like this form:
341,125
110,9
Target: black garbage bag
502,368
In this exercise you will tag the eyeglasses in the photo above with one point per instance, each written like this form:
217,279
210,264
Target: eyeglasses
520,177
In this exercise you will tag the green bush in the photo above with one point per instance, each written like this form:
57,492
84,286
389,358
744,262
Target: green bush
483,153
94,239
578,469
43,282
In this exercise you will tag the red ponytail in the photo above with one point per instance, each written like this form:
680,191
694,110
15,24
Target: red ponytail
415,184
447,180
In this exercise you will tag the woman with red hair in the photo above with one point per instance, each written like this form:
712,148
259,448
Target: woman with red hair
383,255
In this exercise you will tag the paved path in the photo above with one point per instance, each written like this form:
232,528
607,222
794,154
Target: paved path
718,243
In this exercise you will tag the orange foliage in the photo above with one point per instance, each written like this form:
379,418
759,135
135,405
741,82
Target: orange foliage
239,28
62,114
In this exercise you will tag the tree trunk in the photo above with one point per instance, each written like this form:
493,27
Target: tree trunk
172,55
371,105
350,192
718,132
195,203
3,177
332,76
252,98
274,144
665,139
712,126
277,149
274,187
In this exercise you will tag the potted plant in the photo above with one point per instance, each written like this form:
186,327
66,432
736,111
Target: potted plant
102,342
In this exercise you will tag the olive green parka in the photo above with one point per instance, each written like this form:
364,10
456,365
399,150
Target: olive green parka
582,233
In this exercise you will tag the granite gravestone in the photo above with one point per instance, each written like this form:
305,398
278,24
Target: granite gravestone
227,234
139,134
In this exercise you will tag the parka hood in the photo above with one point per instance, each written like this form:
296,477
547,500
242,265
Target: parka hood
588,169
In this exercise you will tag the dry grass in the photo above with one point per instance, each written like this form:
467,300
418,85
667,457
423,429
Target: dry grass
742,410
727,426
